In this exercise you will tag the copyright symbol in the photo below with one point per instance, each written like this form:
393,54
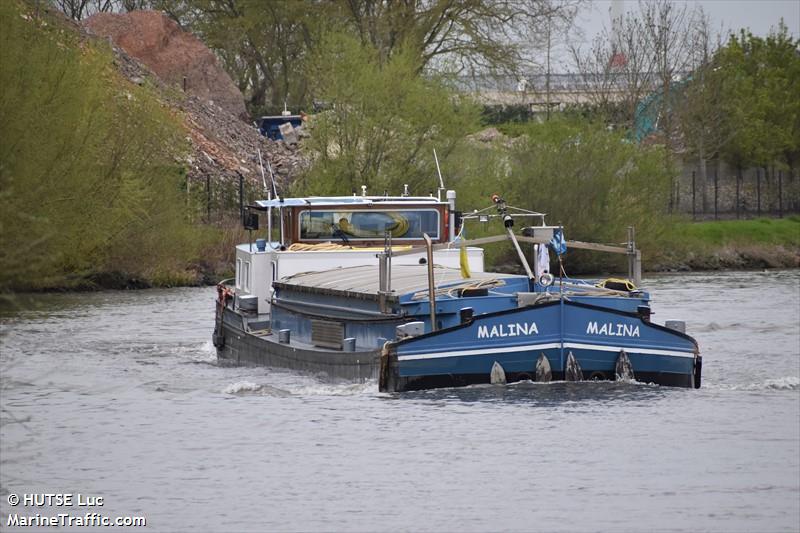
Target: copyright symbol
13,499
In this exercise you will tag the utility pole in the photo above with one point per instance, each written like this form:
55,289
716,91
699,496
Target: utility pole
547,74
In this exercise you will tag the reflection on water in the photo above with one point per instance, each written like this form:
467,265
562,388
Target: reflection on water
119,394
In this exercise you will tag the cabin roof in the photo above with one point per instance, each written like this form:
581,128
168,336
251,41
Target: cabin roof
362,281
344,200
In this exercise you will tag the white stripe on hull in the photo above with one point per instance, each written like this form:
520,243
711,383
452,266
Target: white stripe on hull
545,346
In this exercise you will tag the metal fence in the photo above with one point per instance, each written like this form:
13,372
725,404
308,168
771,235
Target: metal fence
730,192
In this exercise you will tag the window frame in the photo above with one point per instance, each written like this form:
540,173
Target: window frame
367,240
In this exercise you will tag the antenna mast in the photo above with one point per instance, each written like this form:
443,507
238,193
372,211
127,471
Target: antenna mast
439,172
261,164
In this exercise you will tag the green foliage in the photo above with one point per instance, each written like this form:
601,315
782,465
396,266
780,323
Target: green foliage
700,113
583,176
382,124
760,80
88,178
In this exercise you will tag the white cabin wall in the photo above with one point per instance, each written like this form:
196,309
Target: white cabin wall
260,271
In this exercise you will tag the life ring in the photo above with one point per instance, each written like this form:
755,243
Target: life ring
397,225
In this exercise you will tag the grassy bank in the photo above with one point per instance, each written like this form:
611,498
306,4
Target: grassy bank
731,244
767,231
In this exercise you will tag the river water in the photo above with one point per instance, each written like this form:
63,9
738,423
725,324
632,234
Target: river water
119,395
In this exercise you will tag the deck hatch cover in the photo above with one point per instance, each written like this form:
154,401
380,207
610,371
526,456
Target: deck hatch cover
327,334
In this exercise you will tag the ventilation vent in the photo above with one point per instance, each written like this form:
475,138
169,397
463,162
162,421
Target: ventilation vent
327,334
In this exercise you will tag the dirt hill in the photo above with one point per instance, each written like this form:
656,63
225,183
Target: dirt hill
150,46
177,57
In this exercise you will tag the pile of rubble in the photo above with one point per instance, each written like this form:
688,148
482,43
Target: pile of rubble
150,47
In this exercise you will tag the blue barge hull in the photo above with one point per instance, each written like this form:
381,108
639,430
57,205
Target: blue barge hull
516,339
465,354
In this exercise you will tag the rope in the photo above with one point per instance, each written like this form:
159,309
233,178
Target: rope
333,246
323,246
451,291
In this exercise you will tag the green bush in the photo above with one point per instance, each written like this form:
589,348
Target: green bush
581,175
88,174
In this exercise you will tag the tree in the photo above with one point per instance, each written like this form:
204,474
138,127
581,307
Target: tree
467,37
761,80
81,9
262,45
670,29
383,120
265,45
700,116
649,52
618,71
780,84
644,54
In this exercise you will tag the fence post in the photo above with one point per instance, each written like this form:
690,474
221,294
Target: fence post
738,186
208,198
241,198
716,190
758,192
694,193
671,194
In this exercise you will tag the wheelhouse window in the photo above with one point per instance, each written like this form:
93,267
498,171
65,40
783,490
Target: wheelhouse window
368,225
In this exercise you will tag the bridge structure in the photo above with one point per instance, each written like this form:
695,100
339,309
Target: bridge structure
538,92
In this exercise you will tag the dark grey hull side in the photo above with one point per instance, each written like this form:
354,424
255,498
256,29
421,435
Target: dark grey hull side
236,345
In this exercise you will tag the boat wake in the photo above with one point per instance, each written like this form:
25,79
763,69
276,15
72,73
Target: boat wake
778,384
204,353
249,388
343,389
